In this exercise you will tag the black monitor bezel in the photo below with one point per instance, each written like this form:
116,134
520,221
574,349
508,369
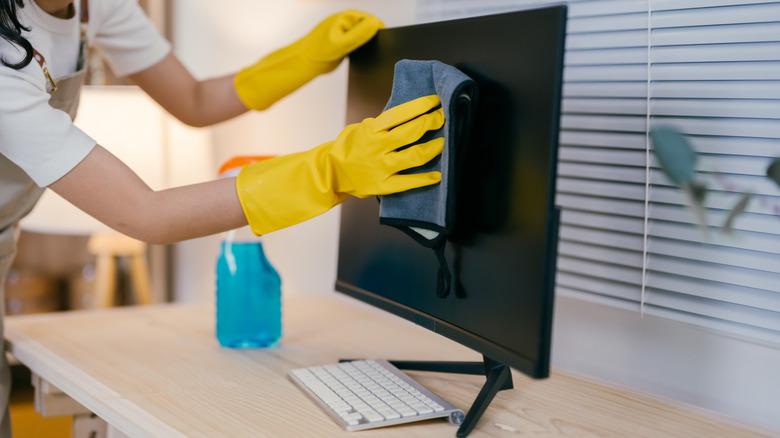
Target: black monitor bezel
539,366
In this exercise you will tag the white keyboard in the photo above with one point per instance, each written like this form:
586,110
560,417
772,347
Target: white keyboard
366,394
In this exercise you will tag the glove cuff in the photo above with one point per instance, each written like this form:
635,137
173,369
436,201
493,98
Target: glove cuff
261,85
284,191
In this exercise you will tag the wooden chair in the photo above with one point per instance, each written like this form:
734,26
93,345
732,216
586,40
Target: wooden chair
107,248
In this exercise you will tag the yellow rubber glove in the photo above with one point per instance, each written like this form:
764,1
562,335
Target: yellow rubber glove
321,51
362,161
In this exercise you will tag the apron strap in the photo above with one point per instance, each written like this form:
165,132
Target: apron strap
84,19
82,59
84,11
42,62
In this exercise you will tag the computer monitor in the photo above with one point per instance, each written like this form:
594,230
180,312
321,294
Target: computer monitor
504,245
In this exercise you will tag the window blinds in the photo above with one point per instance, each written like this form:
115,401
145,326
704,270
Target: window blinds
710,68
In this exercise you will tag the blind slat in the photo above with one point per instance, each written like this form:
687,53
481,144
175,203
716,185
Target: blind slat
604,123
736,276
601,23
756,298
632,38
606,173
727,127
605,272
606,89
670,5
733,257
613,7
727,34
745,146
604,106
763,242
604,156
713,309
605,189
597,286
716,89
628,55
759,109
717,71
601,72
712,15
602,238
603,222
715,53
603,140
757,222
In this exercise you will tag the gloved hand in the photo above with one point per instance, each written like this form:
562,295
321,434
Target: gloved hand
321,51
362,161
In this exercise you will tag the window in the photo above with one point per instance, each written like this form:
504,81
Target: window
710,68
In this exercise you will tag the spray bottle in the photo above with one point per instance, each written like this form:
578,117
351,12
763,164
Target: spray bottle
248,294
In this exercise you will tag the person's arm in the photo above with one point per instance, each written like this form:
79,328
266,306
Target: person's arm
104,187
194,102
258,86
364,160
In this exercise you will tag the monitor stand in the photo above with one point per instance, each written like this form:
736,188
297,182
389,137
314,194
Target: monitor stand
499,377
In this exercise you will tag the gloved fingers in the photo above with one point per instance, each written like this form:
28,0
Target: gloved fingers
401,183
353,29
352,18
340,34
414,156
405,112
413,130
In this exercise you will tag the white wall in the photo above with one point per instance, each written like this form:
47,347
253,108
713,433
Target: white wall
713,370
216,38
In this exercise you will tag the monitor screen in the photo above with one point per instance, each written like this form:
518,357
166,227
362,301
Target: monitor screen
503,248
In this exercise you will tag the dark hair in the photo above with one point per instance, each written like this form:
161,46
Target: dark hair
11,31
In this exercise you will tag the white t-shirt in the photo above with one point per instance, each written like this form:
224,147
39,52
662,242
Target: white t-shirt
37,138
40,144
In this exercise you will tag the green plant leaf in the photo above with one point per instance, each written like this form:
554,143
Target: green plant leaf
773,171
696,192
675,154
739,208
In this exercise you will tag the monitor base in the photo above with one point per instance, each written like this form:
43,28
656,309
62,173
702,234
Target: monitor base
499,377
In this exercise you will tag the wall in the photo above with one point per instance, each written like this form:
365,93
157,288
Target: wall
211,40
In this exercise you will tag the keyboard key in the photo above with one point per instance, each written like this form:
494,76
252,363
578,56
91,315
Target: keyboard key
352,418
389,414
372,416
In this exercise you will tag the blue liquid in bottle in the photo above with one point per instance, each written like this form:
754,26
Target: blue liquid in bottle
249,297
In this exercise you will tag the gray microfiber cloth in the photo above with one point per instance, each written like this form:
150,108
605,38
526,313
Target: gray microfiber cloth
427,214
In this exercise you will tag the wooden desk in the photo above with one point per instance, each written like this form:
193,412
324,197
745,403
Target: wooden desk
157,371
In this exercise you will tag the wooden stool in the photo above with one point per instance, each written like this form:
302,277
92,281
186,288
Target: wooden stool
107,247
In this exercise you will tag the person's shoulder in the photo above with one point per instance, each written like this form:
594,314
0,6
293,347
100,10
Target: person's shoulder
12,53
103,10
